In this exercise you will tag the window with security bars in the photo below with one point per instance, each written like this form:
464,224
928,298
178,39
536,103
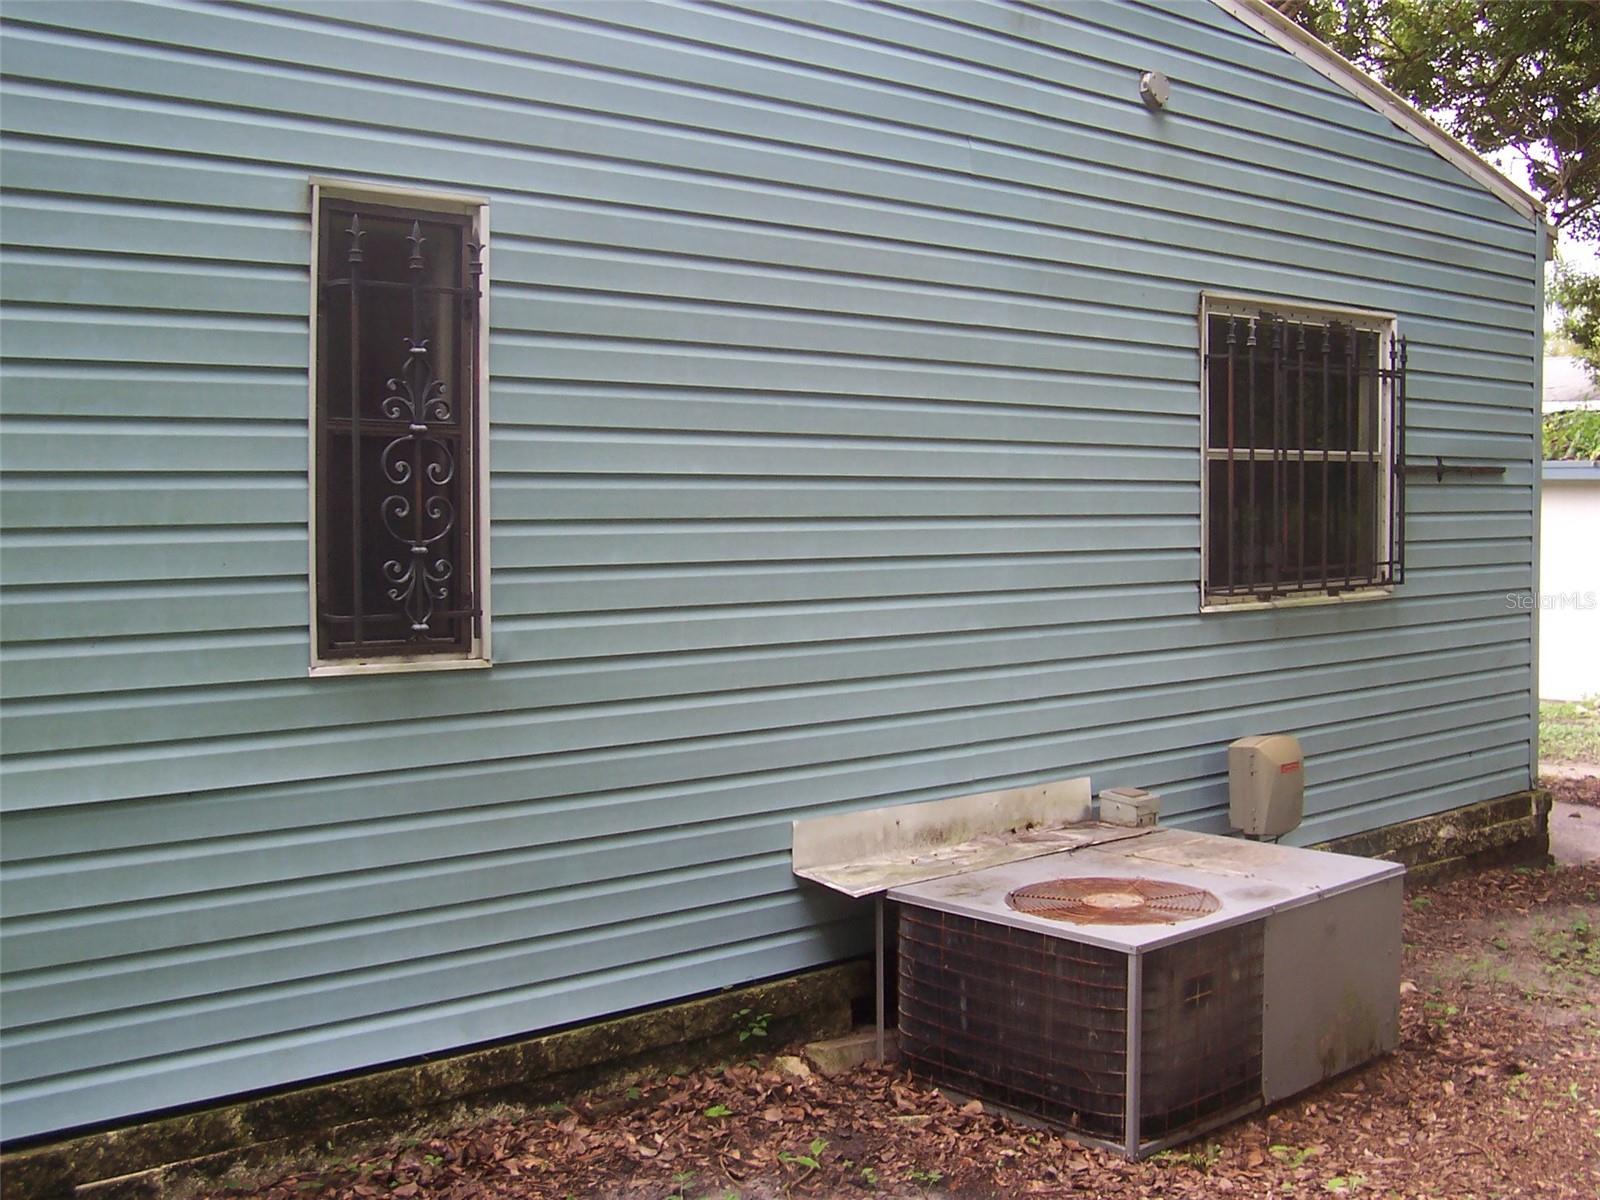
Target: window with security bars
1303,483
397,459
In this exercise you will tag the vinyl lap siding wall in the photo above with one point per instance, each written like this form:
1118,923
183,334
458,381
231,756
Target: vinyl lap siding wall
845,449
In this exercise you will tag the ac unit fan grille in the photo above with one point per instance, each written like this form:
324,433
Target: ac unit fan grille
1038,1023
1092,901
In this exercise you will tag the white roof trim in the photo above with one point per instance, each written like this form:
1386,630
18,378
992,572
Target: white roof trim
1328,62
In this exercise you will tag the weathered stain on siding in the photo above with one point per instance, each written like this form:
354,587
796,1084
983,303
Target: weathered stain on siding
845,425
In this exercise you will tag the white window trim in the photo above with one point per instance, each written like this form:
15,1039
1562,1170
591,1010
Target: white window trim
1250,305
477,655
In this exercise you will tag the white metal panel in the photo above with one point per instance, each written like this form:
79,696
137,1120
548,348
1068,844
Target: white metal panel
1250,878
1332,986
865,852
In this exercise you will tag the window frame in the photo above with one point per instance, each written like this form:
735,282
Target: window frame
476,209
1389,531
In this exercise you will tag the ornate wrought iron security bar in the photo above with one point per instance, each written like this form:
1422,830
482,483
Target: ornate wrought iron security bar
1305,454
397,414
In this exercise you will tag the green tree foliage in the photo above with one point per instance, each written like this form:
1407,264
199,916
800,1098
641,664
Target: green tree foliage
1519,75
1578,296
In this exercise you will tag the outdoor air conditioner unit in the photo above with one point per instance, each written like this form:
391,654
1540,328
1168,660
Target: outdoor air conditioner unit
1141,991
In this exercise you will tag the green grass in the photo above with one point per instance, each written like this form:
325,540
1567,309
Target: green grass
1569,731
1571,948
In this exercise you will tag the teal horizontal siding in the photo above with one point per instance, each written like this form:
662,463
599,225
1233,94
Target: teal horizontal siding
845,437
479,829
799,652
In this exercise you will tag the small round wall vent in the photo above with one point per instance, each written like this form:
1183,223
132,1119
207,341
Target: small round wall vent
1113,901
1154,90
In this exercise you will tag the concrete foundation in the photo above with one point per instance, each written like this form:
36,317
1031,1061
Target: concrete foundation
1507,831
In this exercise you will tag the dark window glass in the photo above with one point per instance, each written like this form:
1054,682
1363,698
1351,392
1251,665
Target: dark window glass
1304,430
396,420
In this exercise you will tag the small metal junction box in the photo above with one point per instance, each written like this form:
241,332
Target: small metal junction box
1129,806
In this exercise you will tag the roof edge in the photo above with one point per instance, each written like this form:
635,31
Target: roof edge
1329,63
1572,470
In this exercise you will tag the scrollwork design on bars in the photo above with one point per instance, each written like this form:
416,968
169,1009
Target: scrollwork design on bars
414,460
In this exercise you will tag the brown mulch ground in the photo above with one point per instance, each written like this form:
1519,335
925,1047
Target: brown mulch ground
1494,1091
1583,789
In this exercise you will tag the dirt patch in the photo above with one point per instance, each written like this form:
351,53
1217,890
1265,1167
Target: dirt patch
1550,956
1493,1092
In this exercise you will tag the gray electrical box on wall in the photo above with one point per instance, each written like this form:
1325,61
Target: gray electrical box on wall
1266,785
